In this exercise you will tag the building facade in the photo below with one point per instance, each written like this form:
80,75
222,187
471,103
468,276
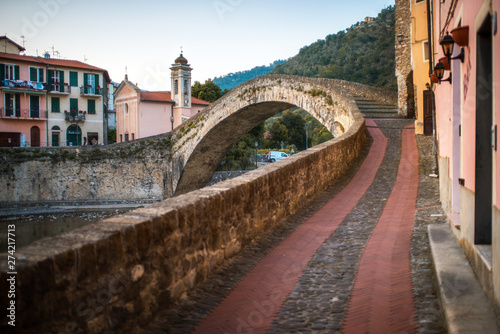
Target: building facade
51,102
142,114
467,113
420,66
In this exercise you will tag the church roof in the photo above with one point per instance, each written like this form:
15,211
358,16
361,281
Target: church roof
165,96
159,96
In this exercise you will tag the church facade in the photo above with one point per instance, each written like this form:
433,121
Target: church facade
142,114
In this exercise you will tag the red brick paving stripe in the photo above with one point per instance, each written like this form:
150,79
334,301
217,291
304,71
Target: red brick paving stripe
382,298
252,305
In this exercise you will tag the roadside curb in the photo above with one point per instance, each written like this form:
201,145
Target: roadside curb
465,305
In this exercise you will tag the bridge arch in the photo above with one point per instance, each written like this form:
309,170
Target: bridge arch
201,143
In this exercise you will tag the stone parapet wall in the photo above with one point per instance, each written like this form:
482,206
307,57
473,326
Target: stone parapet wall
110,276
369,92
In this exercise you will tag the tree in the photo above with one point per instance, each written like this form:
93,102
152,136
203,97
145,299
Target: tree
208,91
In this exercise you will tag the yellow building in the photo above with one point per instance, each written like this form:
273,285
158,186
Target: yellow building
420,63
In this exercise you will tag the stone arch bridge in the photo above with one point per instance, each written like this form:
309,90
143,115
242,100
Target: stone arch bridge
116,274
184,159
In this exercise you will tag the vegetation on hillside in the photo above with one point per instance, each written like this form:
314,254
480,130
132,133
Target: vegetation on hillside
231,80
284,131
208,91
363,53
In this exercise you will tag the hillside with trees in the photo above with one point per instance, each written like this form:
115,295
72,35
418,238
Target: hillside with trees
231,80
363,53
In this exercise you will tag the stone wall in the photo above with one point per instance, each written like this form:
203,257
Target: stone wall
404,71
110,276
372,93
135,170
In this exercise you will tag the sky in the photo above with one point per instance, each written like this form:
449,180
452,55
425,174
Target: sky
143,38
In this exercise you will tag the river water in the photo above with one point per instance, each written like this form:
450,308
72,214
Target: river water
31,227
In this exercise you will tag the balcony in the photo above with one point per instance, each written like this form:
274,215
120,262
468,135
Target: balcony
75,116
26,114
20,85
59,89
90,91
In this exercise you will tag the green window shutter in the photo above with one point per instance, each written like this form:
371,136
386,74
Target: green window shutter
73,79
55,104
85,82
2,71
40,74
33,74
18,104
61,81
73,105
96,80
16,72
50,73
91,107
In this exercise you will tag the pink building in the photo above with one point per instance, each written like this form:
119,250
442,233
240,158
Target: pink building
50,102
23,112
467,113
142,114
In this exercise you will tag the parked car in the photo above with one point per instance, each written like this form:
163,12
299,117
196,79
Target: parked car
273,156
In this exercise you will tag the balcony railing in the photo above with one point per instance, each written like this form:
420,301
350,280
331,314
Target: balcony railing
89,90
56,88
74,115
26,114
23,84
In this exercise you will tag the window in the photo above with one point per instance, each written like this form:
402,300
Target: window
133,136
425,50
55,81
11,72
121,138
36,74
73,105
126,137
73,79
93,138
176,86
12,105
91,107
126,108
55,104
91,83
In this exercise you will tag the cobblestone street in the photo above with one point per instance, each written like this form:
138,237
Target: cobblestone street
320,299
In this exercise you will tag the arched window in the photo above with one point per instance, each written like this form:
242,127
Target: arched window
126,108
176,86
73,135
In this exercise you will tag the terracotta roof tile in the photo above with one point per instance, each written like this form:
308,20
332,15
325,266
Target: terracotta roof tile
54,62
195,100
162,96
165,96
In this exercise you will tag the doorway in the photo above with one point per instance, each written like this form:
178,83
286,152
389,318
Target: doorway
35,136
34,106
484,120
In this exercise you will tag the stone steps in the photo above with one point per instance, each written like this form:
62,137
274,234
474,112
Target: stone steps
375,109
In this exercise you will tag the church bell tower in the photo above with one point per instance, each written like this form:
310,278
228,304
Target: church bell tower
181,82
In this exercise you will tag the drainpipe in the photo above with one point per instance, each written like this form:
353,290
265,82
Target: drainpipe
47,109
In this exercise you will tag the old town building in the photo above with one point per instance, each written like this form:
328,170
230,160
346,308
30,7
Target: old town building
50,102
142,114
